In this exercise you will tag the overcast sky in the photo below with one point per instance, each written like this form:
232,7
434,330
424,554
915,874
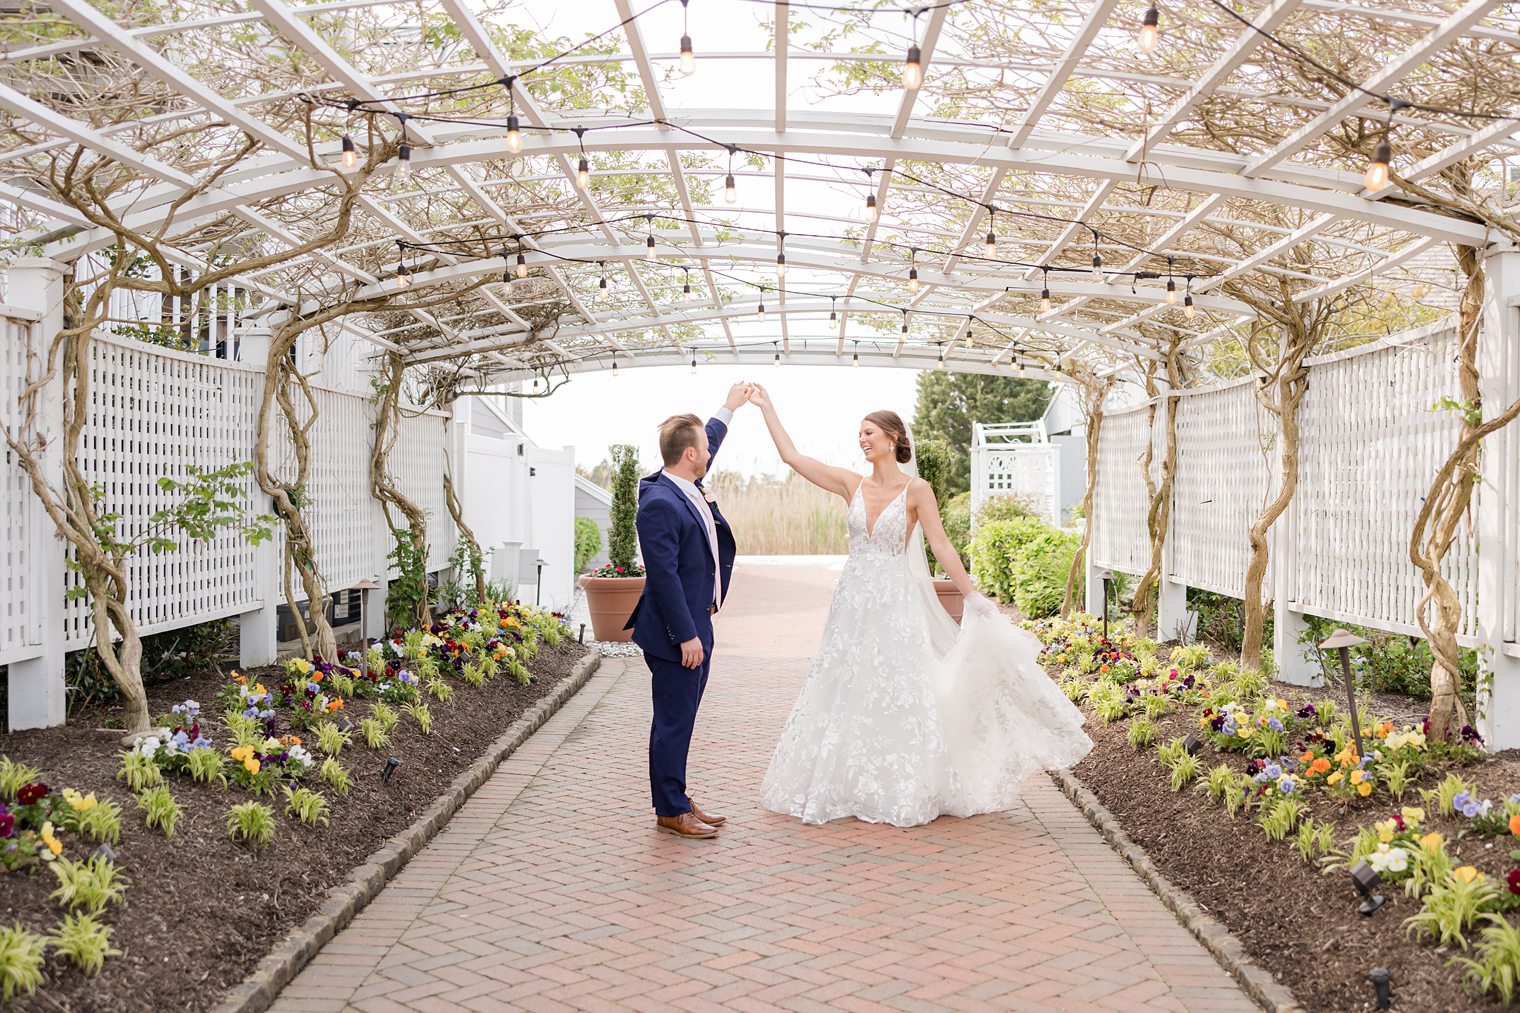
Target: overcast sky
821,407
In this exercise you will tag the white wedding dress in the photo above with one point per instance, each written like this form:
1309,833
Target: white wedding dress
904,717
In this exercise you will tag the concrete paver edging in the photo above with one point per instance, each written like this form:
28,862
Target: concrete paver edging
1208,930
280,966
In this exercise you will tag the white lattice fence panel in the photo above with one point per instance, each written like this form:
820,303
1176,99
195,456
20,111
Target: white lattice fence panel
1028,472
416,463
1364,474
1120,502
1224,438
153,414
345,521
20,523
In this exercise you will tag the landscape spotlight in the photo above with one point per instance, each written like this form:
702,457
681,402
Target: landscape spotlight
1365,877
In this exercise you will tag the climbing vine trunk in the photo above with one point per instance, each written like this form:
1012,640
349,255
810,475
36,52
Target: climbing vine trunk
1159,517
411,540
1446,505
1094,394
466,535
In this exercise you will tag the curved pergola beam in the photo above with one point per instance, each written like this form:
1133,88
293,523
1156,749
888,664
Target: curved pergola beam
1201,172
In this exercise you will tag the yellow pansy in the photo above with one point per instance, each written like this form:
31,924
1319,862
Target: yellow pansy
251,765
1364,789
79,803
1386,830
1432,842
1244,731
1358,776
1335,778
1413,816
54,845
1466,873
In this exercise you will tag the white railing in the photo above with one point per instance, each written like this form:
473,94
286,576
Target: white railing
1121,501
1016,459
19,509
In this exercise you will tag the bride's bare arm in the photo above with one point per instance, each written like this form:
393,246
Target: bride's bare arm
921,498
840,481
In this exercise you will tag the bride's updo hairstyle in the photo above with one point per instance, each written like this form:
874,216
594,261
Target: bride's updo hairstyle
892,424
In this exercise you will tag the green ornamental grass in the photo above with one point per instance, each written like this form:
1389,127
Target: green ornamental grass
89,885
83,942
21,956
251,823
160,810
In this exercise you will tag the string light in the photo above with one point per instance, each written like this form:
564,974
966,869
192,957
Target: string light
730,191
833,313
1187,302
583,168
688,58
761,312
522,261
1045,292
614,364
970,333
913,270
1171,285
649,242
991,244
514,129
686,295
693,361
781,258
871,207
776,361
350,152
1150,30
856,360
1379,175
905,324
913,71
941,364
403,279
1097,259
602,292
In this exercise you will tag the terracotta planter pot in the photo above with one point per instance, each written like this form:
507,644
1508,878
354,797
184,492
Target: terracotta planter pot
953,601
611,601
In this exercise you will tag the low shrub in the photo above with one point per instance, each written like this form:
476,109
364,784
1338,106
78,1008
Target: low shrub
588,542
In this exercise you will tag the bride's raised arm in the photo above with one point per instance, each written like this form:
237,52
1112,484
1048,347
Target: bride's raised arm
840,481
921,498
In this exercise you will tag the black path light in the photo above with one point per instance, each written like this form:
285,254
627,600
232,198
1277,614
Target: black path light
1383,982
1343,641
390,768
364,587
1105,576
1365,877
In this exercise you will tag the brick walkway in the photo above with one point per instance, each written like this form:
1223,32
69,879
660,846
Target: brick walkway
550,889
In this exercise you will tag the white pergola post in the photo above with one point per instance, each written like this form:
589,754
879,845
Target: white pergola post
1498,495
1172,619
1288,625
36,693
258,643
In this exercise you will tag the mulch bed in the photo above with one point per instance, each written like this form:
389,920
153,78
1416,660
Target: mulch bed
201,911
1293,919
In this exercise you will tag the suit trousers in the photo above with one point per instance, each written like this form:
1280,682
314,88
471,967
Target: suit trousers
677,692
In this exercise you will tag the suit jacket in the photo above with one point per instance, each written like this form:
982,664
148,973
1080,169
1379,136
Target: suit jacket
676,605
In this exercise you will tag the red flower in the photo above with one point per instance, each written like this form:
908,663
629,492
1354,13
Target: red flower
7,824
1513,879
29,793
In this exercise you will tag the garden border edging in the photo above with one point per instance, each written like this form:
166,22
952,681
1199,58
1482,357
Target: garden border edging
279,967
1213,934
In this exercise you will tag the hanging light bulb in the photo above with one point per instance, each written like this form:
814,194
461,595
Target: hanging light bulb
602,291
1187,307
614,364
686,295
1097,266
693,361
833,313
905,324
970,335
991,244
1377,177
688,58
404,161
781,261
522,265
514,134
730,191
1045,294
856,360
913,71
776,362
871,207
403,278
1150,30
941,364
1171,291
583,173
350,152
761,312
535,385
649,242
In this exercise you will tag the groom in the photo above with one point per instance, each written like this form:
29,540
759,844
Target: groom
688,554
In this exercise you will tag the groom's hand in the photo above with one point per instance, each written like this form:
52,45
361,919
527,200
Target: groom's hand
691,653
738,394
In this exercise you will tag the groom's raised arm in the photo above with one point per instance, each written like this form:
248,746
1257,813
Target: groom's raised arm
717,426
658,524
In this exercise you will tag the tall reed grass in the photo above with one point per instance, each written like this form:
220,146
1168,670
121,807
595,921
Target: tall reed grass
780,516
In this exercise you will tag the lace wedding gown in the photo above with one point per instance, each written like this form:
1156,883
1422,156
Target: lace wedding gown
901,721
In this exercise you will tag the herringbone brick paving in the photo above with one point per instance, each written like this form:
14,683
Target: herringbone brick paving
550,889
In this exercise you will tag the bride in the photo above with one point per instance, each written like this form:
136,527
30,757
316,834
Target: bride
906,717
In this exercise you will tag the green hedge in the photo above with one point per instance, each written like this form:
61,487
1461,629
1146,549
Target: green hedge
588,541
1024,561
956,517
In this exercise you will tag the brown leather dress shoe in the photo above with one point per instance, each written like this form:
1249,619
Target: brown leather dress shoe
684,825
710,820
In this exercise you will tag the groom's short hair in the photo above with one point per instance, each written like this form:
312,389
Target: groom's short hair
676,434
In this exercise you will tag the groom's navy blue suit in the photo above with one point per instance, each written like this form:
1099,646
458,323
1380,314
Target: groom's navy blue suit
677,606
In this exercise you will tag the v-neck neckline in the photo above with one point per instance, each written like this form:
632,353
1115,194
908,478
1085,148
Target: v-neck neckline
860,490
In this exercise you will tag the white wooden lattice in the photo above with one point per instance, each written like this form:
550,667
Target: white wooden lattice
1224,438
153,413
417,462
1120,502
1364,474
1015,459
19,523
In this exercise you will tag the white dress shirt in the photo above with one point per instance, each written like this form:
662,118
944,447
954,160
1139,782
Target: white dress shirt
694,494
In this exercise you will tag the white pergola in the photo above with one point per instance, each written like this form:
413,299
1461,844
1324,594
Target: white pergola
1156,202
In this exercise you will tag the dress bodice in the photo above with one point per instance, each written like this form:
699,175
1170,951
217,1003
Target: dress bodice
889,537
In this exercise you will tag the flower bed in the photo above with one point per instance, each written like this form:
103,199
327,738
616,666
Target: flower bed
1263,813
226,833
